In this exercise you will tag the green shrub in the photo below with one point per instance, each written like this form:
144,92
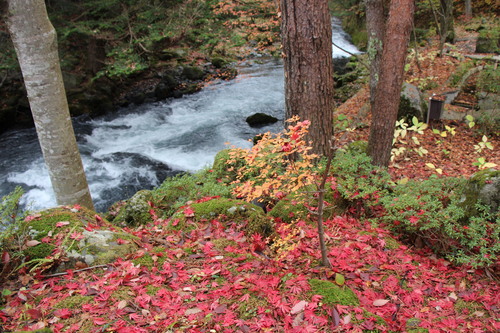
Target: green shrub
430,210
358,180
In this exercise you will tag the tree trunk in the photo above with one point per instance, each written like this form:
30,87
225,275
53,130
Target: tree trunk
387,96
447,22
35,42
375,26
468,9
307,46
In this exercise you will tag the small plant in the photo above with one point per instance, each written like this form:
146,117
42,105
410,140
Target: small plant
443,134
483,144
470,121
400,133
483,164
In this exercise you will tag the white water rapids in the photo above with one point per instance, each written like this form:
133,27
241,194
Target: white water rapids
138,146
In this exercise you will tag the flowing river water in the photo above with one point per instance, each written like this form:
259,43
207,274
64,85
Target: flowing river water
139,146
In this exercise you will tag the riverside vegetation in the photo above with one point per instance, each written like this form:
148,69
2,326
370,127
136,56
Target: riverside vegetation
414,248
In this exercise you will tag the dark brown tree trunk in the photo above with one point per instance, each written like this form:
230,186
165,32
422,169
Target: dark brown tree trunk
375,26
307,46
387,96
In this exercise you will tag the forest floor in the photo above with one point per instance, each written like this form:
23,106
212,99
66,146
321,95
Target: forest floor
215,279
454,154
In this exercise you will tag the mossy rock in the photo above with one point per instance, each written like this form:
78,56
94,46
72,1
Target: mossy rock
176,191
288,210
193,73
65,228
482,187
332,293
135,211
219,62
488,41
228,211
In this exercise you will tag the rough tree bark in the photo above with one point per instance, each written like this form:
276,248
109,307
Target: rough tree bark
35,41
376,17
387,96
307,46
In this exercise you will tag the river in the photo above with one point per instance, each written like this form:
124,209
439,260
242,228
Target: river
139,146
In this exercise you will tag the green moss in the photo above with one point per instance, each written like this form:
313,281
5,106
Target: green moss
248,309
229,210
74,301
391,243
464,307
123,293
152,290
40,251
333,294
222,162
221,243
288,210
461,70
136,210
175,192
43,330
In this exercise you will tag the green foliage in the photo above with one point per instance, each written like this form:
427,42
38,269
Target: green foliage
11,216
333,294
430,211
358,180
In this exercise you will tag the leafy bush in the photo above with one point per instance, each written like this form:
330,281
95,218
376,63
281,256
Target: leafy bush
358,180
429,211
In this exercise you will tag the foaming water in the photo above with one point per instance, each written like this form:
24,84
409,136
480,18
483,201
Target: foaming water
139,146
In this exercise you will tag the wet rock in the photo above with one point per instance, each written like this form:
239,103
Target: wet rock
193,73
488,41
260,120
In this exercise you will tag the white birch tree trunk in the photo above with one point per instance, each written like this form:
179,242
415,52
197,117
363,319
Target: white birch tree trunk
35,41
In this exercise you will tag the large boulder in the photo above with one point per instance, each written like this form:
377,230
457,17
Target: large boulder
135,211
412,104
488,41
71,237
226,211
482,187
